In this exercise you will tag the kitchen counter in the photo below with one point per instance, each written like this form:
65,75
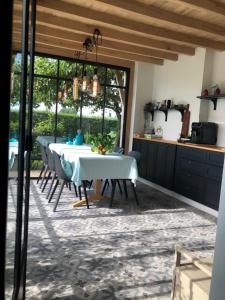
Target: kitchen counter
190,145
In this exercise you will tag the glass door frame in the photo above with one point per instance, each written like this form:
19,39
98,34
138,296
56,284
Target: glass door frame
6,10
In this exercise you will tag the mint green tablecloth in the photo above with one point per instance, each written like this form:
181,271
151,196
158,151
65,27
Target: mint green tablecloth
95,166
61,148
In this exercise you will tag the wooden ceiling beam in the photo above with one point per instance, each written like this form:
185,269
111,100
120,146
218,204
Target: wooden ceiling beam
78,37
156,13
71,9
61,23
208,5
72,46
64,53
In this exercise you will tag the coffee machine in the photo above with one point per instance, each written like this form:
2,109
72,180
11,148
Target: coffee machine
204,133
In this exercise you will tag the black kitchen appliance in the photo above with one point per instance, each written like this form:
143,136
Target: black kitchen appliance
204,133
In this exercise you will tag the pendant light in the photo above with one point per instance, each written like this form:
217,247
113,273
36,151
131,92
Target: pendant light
96,88
95,84
76,81
85,82
75,87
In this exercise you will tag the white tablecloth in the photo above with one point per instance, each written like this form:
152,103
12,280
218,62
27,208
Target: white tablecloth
88,166
61,148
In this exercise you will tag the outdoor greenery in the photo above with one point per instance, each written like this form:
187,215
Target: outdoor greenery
45,96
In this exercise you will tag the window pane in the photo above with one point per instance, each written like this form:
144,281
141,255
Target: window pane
114,113
45,66
43,116
92,116
116,77
68,116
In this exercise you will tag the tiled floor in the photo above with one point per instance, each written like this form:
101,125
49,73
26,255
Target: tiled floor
124,252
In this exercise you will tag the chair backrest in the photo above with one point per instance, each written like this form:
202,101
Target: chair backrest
58,167
119,150
43,154
136,155
51,162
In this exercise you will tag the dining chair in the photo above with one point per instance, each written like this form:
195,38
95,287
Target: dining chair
137,156
45,166
52,171
62,179
116,150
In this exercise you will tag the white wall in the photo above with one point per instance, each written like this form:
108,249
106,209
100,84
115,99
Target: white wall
181,81
144,89
217,75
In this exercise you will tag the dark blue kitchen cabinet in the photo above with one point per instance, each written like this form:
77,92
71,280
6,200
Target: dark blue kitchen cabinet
198,175
191,172
157,161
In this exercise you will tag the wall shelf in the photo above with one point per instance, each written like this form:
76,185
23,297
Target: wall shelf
151,110
212,98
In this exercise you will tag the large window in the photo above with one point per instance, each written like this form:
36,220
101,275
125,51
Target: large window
56,113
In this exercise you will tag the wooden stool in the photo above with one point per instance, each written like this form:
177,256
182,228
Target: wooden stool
192,279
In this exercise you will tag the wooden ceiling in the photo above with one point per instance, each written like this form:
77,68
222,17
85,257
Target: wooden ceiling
133,30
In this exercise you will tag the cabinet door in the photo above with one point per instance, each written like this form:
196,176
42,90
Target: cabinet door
144,159
142,147
152,161
165,163
169,168
212,193
190,186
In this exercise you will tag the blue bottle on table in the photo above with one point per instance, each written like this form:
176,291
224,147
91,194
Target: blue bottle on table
79,140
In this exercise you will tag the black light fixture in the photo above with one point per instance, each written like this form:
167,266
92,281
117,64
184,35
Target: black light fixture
93,87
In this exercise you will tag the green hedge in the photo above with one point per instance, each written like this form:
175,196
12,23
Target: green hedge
44,124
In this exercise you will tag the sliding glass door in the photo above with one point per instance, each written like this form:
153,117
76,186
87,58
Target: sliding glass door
20,147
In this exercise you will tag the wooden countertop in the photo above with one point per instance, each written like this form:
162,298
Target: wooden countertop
190,145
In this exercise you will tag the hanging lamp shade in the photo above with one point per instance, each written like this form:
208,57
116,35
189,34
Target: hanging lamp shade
75,87
95,84
65,93
85,82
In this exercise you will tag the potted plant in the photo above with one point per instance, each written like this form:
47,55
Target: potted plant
102,143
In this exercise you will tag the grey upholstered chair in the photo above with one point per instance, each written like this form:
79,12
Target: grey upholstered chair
137,156
62,179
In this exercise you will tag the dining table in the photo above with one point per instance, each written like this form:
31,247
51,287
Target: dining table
60,148
93,166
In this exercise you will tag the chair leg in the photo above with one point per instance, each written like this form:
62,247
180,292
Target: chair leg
79,190
42,170
117,181
46,181
125,188
44,175
85,193
135,194
60,192
75,189
104,186
113,192
51,185
53,192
